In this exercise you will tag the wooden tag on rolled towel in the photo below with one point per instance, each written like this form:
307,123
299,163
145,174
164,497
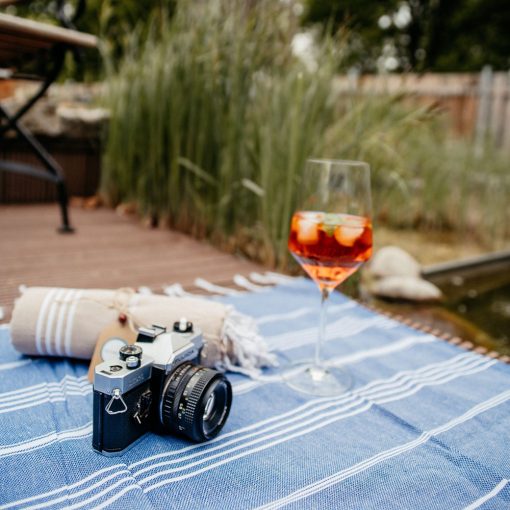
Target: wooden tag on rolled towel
110,340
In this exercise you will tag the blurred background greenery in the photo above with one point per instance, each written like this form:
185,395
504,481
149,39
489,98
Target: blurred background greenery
409,35
432,35
215,105
213,117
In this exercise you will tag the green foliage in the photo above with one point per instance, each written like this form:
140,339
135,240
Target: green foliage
113,21
440,35
211,124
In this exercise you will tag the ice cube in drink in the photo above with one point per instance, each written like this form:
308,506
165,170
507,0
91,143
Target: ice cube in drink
330,247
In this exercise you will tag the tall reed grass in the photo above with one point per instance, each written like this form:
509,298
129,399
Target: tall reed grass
212,121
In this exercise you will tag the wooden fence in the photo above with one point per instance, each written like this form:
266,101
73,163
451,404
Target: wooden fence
477,105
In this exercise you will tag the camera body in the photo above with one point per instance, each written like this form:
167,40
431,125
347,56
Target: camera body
157,385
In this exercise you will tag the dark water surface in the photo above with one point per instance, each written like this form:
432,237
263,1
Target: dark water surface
476,307
489,310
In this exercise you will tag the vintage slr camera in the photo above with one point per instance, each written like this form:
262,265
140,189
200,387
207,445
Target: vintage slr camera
157,385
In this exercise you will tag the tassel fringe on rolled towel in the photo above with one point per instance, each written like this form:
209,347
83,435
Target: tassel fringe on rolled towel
67,322
245,350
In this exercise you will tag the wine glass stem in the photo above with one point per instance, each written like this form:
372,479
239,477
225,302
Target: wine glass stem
325,292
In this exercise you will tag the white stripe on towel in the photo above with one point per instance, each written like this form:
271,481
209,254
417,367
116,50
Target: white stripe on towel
355,357
45,440
494,492
44,392
36,401
68,380
443,373
347,325
300,312
15,364
64,306
316,422
55,305
311,489
40,320
69,324
70,487
461,362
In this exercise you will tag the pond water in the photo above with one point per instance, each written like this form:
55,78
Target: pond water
489,310
476,305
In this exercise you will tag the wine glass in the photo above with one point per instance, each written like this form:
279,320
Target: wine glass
330,237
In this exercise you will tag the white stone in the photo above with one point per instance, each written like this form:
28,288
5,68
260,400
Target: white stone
394,261
67,110
75,113
405,287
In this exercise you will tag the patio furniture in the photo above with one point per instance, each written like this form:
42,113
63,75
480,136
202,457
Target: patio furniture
30,50
425,427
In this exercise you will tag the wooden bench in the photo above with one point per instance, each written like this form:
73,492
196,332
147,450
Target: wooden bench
37,51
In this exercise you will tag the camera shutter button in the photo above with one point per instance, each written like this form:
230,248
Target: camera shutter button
183,326
132,362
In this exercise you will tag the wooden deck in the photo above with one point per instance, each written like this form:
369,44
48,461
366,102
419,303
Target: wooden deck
107,251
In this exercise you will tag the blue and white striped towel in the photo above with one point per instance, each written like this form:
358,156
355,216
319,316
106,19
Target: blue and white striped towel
426,426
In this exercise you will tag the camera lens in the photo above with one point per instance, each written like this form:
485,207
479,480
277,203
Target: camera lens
195,401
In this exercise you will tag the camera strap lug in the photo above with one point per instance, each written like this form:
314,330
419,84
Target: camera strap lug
116,396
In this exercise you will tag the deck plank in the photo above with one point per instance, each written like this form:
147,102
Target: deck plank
107,251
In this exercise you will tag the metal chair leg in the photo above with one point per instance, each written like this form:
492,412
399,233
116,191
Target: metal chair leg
51,166
63,201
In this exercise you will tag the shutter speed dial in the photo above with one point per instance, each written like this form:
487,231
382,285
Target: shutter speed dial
130,350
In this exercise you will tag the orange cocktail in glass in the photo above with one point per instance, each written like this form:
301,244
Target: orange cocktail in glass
330,247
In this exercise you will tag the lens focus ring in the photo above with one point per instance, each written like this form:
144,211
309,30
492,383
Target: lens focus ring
185,397
169,402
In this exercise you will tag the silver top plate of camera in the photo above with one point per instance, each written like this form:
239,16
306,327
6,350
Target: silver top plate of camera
171,348
114,375
157,347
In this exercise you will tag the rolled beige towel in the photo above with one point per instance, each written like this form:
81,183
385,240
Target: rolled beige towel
67,322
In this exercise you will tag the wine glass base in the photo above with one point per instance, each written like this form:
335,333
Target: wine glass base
320,381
